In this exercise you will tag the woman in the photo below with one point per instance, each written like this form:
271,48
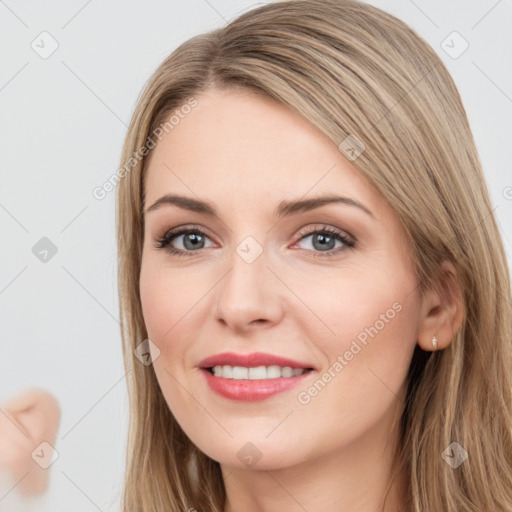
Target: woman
309,258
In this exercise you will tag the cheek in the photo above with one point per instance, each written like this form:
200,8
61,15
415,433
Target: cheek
165,298
173,305
366,364
355,303
164,307
365,327
154,301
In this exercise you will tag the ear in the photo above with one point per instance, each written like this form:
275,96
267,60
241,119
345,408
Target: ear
442,310
29,419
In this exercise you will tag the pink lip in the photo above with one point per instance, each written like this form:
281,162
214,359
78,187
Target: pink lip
250,360
247,389
251,390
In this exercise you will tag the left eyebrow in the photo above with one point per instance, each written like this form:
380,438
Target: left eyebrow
284,208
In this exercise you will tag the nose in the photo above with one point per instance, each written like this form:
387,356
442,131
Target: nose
249,295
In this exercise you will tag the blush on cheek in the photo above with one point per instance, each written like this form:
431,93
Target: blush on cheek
155,309
378,333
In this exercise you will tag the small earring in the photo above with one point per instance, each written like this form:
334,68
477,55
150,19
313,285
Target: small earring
434,342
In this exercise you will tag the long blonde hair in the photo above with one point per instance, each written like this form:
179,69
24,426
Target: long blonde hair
351,70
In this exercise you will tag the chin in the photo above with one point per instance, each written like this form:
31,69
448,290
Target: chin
12,500
255,454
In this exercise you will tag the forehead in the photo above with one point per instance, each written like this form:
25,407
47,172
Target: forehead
234,141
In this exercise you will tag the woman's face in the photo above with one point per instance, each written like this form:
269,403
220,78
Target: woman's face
263,277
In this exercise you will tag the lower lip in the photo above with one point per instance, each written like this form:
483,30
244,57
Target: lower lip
251,390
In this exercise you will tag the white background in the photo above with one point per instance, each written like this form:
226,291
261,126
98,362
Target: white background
62,124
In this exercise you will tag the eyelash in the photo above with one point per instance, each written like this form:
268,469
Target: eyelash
164,241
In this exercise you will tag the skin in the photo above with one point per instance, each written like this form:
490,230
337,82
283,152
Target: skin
26,420
245,154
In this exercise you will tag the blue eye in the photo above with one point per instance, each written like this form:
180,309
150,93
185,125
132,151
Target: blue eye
324,239
194,240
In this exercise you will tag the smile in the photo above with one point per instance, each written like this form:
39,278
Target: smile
256,373
245,383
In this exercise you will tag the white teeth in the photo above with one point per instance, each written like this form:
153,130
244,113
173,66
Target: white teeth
239,372
273,372
258,372
286,371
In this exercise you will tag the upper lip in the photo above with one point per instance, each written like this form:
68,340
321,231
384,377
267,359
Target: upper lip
250,360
